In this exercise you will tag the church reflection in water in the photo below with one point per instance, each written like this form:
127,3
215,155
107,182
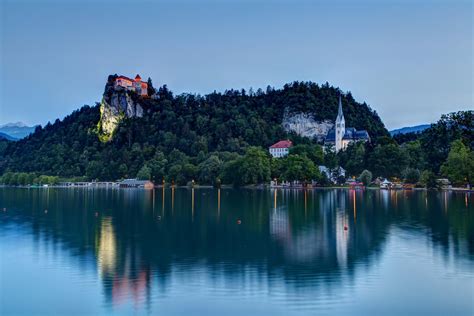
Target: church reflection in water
142,239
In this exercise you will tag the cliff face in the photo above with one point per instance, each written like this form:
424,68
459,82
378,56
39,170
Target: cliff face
305,125
115,105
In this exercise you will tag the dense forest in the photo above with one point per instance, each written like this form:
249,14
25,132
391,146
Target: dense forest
222,137
444,149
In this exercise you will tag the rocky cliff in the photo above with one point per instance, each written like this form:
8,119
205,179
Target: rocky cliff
305,125
116,104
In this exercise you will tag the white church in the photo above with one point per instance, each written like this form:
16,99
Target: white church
340,137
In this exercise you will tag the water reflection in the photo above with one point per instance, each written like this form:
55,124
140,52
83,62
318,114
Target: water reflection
302,239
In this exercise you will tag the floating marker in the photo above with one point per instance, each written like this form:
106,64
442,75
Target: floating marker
239,222
46,211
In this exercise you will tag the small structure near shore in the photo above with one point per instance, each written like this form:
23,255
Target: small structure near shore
385,184
135,183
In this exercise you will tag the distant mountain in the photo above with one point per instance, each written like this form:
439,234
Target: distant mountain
17,130
410,129
6,136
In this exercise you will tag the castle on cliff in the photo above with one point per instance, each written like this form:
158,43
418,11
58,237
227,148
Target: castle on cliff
340,137
137,85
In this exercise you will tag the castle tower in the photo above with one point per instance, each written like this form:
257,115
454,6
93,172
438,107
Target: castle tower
340,127
137,84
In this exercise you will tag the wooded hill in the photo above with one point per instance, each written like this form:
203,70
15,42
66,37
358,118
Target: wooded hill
185,129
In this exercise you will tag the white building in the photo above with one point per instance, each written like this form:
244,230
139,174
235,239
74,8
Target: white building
280,149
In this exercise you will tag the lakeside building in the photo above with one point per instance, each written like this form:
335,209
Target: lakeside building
137,85
280,149
134,183
340,137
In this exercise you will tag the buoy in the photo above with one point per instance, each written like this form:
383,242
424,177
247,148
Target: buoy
159,218
239,222
96,214
4,209
45,211
345,227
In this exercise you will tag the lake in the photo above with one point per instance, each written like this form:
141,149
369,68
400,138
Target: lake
235,252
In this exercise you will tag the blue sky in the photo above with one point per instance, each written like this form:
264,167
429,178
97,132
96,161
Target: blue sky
409,60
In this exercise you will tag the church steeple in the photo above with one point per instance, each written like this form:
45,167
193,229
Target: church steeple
340,129
339,111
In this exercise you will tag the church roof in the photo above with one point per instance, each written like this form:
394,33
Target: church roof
331,136
350,134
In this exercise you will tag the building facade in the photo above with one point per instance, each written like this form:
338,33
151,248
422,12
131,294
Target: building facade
280,149
137,85
340,137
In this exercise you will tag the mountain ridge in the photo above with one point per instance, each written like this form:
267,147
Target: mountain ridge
7,137
410,129
17,130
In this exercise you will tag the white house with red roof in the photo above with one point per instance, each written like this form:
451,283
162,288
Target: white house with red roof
280,149
137,85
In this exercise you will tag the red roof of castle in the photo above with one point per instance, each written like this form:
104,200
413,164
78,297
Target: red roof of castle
123,77
136,78
282,144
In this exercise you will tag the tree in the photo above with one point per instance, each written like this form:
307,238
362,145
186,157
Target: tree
123,170
94,170
300,168
387,160
158,166
352,159
209,170
277,167
436,141
414,154
253,167
144,173
313,152
428,179
330,158
151,89
365,177
411,175
459,166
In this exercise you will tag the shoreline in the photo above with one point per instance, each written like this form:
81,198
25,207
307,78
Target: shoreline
253,187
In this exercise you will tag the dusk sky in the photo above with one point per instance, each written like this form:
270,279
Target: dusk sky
411,61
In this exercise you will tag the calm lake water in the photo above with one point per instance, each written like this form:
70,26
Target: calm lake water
235,252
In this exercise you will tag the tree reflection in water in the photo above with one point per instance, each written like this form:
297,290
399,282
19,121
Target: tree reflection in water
138,239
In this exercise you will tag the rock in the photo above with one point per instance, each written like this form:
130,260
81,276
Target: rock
305,125
116,104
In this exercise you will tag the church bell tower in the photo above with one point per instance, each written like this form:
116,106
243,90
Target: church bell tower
340,127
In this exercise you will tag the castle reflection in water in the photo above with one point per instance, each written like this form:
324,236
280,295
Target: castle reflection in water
138,240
